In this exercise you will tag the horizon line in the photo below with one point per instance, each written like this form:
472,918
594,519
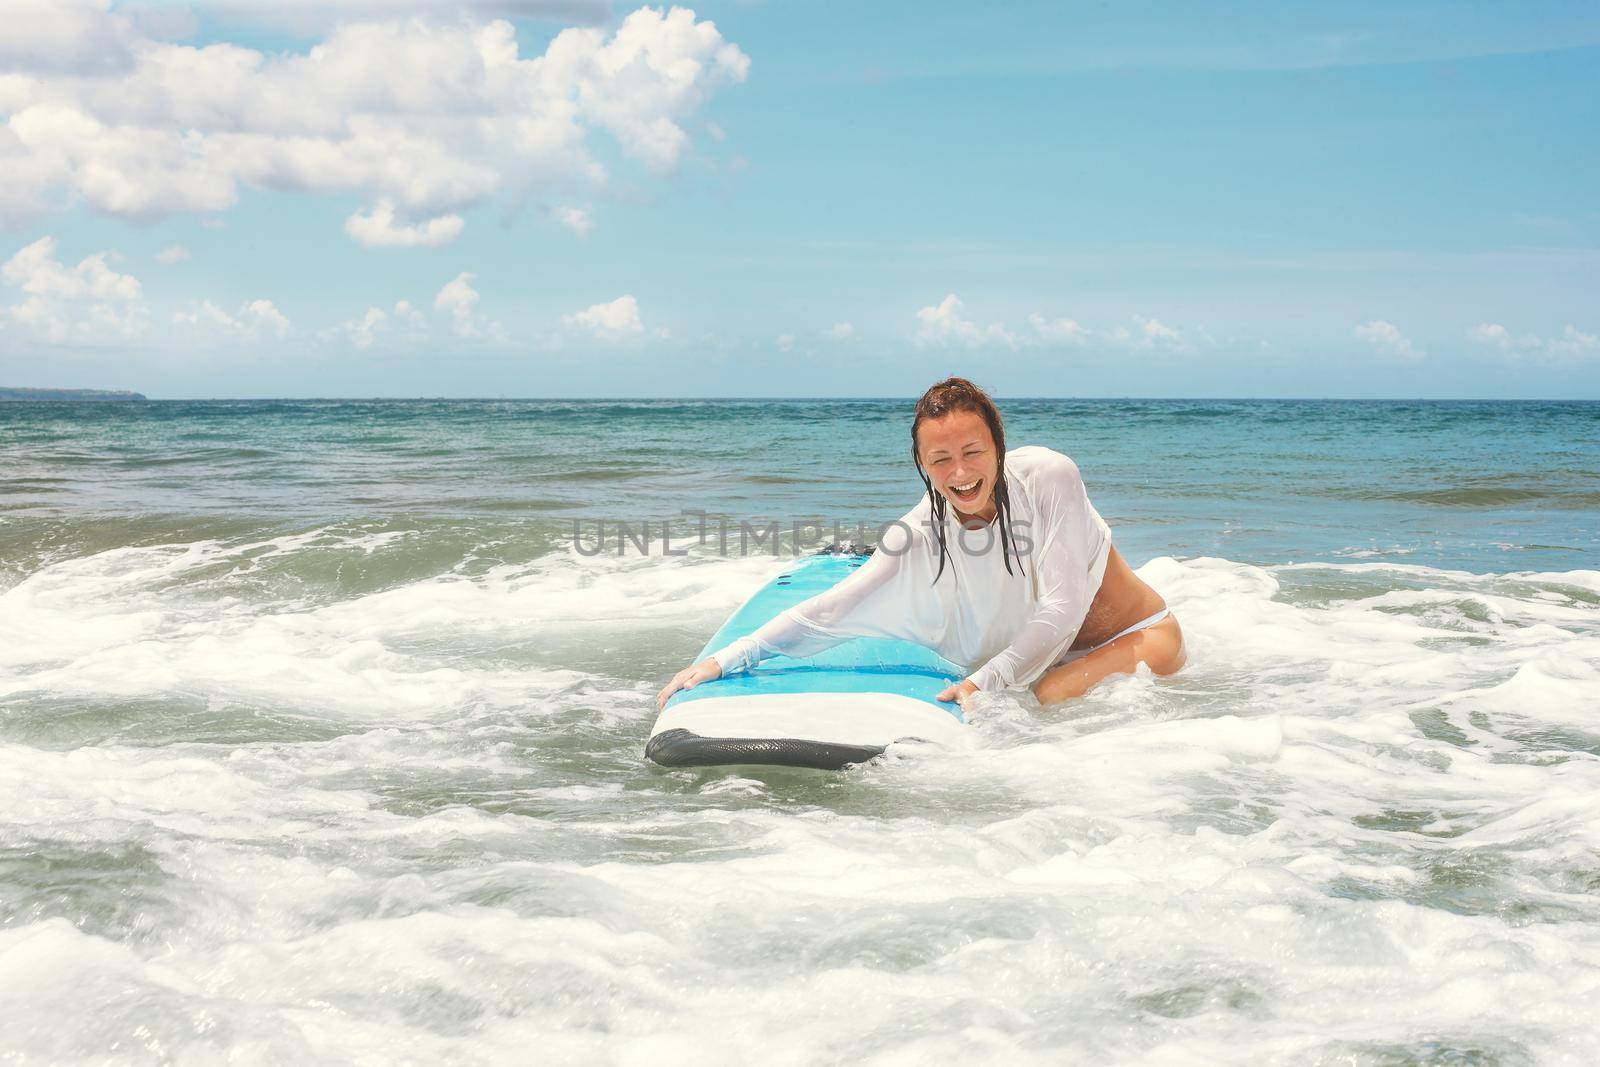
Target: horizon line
864,398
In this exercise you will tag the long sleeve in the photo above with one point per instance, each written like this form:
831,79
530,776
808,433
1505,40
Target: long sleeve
1070,551
875,601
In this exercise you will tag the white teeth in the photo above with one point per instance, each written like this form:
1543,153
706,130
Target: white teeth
969,487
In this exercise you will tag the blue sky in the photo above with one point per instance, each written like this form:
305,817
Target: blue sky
767,198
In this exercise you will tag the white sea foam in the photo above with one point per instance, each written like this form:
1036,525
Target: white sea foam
1360,826
137,622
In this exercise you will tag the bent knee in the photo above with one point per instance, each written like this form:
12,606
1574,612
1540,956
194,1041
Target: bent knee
1162,648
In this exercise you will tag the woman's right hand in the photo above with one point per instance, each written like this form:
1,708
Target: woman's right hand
689,677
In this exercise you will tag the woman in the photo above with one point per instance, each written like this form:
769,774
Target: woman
1004,566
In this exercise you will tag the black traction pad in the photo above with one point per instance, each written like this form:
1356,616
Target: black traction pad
682,748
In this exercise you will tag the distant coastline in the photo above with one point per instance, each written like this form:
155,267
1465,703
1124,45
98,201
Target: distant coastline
8,393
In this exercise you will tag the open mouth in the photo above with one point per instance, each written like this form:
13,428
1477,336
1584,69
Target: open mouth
968,493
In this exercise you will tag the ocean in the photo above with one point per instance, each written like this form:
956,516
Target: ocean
322,729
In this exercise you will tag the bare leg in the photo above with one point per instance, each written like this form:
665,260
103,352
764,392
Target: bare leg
1160,647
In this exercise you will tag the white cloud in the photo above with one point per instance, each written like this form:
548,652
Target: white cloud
839,331
410,316
429,113
364,331
1572,342
945,323
942,324
172,254
576,219
1058,331
86,304
378,230
254,319
89,324
1387,338
1156,332
1150,334
205,313
460,299
1492,333
404,323
307,17
785,342
66,36
35,269
261,316
619,318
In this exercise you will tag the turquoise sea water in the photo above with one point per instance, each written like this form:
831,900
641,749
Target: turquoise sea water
1479,485
317,738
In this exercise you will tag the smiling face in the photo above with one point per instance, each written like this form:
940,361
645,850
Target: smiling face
957,454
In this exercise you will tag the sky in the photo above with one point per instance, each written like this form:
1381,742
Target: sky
800,198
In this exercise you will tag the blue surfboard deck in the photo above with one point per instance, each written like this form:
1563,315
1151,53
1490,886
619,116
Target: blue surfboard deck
841,706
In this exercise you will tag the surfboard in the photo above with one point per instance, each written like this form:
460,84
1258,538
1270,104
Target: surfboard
842,706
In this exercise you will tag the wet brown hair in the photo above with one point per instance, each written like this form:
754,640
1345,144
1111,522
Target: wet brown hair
946,398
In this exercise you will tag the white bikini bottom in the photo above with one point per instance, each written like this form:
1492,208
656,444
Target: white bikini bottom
1142,624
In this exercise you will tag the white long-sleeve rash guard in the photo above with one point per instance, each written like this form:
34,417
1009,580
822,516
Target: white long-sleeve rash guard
1015,625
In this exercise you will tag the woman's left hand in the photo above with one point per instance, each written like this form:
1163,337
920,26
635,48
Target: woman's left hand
958,693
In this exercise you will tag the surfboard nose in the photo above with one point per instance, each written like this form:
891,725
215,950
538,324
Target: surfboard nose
683,748
843,706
